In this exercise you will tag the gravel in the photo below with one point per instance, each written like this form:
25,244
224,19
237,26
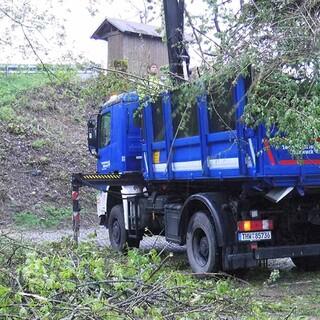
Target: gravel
100,234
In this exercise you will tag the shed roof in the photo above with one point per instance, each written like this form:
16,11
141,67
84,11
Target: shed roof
108,25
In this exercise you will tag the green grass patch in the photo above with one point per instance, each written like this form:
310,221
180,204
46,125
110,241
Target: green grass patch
39,144
13,84
286,294
27,219
7,114
51,217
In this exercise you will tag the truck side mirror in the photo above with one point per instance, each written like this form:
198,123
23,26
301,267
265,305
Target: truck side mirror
92,135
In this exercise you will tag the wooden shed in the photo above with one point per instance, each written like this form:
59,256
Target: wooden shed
138,44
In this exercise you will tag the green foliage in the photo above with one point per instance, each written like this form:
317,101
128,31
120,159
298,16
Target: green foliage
54,215
121,65
7,114
64,75
51,217
12,122
293,106
39,144
27,219
17,126
99,89
59,280
14,84
274,276
277,44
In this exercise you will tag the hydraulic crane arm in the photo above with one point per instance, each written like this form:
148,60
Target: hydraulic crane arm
174,20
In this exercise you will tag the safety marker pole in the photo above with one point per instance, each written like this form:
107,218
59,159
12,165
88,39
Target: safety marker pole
75,213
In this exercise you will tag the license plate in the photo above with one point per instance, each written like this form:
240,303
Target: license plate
254,236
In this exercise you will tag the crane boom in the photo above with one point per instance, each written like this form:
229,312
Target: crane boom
174,20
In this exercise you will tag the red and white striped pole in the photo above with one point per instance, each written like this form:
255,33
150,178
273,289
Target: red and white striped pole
75,213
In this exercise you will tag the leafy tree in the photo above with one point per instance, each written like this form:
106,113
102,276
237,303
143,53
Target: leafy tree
277,43
27,29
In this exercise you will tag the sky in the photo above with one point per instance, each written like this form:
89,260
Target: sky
79,26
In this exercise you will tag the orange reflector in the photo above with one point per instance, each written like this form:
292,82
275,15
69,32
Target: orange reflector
246,225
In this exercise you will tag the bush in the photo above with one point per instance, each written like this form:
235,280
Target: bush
27,219
39,144
7,114
50,217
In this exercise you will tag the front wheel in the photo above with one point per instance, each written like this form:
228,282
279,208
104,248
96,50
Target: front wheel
117,232
202,249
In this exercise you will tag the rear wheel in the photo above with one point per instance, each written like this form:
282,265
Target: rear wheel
117,232
202,249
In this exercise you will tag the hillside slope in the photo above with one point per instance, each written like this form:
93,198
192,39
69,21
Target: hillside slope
42,141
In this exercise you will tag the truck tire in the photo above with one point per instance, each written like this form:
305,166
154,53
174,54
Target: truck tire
307,263
202,249
117,233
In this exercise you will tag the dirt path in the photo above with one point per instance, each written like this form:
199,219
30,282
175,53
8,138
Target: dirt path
99,234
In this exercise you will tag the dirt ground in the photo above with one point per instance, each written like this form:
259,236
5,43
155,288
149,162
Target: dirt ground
40,150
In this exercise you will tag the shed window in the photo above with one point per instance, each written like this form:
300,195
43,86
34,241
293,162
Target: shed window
157,119
221,108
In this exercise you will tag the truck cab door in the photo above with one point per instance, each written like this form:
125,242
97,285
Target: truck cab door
92,135
104,142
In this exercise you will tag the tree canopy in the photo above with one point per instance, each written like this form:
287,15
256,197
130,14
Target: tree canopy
275,42
278,43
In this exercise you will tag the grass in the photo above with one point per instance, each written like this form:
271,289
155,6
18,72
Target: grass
294,295
50,218
7,113
39,144
13,84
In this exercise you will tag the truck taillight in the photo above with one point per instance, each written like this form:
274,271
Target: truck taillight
255,225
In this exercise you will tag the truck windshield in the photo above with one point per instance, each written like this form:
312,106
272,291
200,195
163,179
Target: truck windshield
105,122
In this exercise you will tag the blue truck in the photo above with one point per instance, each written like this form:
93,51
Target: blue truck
212,184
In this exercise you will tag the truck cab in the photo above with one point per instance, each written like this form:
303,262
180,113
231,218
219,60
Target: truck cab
115,137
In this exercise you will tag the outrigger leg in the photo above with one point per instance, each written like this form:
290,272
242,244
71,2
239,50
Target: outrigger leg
76,210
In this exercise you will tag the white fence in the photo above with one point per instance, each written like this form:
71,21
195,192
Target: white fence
84,73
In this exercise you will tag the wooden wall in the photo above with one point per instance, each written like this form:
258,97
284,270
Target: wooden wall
139,51
115,47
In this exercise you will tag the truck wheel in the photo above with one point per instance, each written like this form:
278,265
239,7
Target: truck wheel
202,249
117,233
307,263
